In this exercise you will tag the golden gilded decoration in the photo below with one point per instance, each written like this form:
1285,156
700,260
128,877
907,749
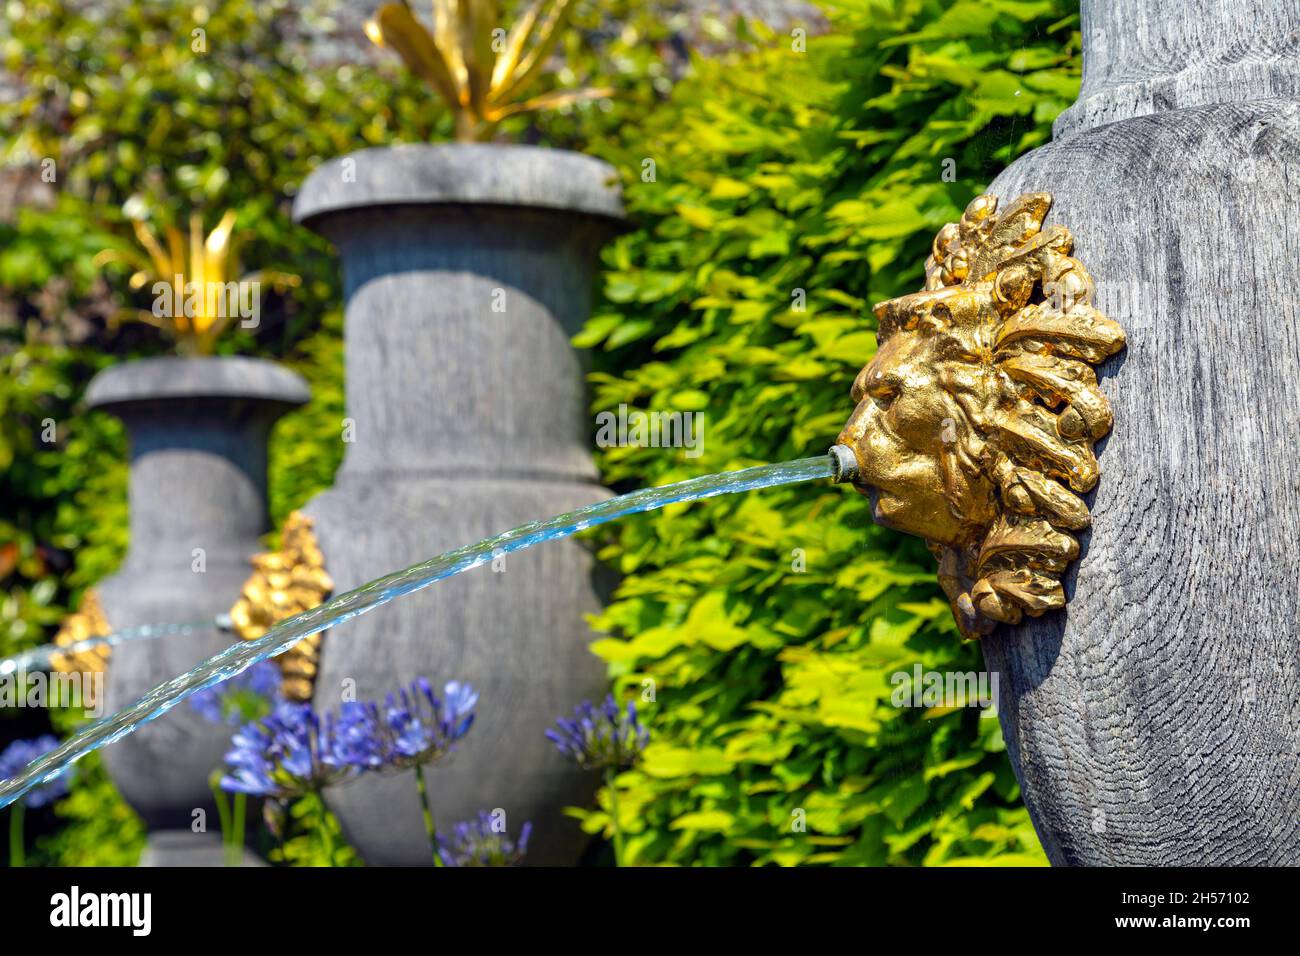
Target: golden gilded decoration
81,625
480,71
976,418
199,280
285,583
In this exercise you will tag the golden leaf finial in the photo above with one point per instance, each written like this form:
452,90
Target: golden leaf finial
196,279
480,71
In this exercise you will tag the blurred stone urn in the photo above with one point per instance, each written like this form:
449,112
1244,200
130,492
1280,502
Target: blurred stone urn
198,432
467,269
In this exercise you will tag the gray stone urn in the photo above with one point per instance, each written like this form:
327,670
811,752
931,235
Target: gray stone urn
467,269
198,432
1156,721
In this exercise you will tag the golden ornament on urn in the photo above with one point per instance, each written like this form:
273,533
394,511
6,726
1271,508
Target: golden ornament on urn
976,418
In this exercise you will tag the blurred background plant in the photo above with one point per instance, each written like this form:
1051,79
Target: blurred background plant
483,841
245,697
12,761
819,158
194,280
480,71
608,738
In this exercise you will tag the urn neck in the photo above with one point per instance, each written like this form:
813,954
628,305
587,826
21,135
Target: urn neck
198,437
467,271
1149,56
198,480
458,354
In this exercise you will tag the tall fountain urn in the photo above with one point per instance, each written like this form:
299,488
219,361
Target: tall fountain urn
1156,721
198,433
467,269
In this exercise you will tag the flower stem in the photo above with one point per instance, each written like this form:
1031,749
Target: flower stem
323,825
236,851
429,827
223,810
16,813
613,815
278,814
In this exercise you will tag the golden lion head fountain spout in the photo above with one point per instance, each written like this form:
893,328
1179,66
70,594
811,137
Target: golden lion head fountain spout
976,418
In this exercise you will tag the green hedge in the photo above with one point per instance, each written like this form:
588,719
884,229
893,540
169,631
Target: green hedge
768,625
776,171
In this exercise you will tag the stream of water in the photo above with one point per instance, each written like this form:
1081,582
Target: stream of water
41,657
244,654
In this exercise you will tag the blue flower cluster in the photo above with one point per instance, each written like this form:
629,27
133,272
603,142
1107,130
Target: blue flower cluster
480,843
19,754
414,727
294,751
601,737
242,698
287,753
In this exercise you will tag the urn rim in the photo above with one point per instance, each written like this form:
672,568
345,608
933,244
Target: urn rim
210,377
460,174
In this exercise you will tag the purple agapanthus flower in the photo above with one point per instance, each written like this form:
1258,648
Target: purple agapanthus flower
483,842
243,698
14,760
413,727
290,752
601,737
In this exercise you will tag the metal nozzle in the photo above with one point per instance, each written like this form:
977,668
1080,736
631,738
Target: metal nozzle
844,464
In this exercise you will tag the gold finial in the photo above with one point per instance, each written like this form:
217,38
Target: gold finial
195,278
480,71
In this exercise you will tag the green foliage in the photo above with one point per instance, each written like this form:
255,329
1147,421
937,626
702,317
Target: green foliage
312,836
99,830
791,191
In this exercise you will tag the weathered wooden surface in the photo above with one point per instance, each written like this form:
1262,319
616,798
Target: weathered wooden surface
1157,720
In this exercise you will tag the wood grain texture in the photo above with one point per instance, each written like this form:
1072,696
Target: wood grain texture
1150,56
1157,720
